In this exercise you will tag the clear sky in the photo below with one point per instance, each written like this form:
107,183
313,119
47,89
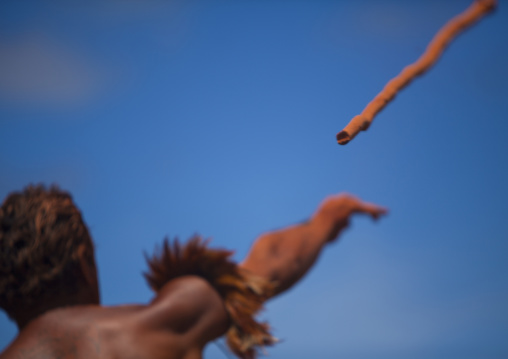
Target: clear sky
219,118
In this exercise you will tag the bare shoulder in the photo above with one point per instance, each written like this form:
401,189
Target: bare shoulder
188,307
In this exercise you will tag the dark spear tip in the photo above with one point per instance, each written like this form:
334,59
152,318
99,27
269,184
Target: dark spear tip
343,138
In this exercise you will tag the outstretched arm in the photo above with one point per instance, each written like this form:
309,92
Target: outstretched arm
284,256
194,310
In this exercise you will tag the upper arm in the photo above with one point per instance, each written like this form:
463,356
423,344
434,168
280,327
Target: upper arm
189,308
284,256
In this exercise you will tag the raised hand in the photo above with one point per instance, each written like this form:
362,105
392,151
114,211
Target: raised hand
335,212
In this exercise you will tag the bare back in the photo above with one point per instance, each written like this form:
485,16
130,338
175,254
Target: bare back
127,332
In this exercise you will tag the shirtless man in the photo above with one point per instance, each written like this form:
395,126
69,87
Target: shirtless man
49,286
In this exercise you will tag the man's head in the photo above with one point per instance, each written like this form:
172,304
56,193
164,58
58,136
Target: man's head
46,254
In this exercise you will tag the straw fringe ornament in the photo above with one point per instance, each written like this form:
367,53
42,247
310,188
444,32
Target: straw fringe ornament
243,293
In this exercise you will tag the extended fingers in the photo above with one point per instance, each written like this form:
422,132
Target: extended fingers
371,209
344,205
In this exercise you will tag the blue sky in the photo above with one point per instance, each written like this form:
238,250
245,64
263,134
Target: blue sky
219,118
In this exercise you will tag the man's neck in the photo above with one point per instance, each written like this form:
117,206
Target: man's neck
29,315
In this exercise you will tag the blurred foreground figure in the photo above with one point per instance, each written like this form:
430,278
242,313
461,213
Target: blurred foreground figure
49,286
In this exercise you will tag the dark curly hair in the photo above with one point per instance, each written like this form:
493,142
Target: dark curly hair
40,233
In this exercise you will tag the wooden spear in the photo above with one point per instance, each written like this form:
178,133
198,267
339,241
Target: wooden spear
448,32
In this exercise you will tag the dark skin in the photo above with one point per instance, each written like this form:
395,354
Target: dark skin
187,313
